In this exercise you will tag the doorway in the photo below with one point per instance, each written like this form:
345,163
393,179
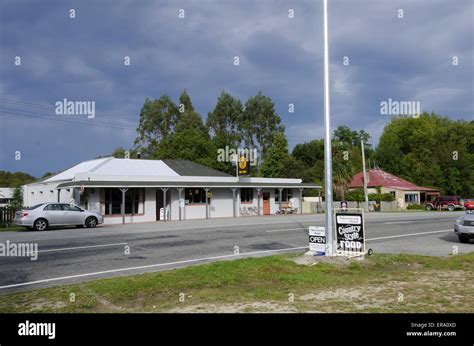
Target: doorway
266,203
159,202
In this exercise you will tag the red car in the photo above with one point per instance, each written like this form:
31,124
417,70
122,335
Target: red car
469,204
450,203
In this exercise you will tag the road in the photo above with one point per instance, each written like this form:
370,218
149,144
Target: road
74,255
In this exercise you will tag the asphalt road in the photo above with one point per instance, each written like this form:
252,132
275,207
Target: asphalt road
73,255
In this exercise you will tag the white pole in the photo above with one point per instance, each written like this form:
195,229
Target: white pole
327,141
365,177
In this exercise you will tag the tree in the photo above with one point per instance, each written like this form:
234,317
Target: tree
224,121
260,123
17,198
157,122
10,179
345,135
188,118
431,151
277,158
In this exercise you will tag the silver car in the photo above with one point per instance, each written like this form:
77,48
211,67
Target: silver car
42,216
464,227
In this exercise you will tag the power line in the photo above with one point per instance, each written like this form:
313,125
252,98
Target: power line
50,107
70,121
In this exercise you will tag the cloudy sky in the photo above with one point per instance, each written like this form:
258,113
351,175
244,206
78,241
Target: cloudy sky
405,59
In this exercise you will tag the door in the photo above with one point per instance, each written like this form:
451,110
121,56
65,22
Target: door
54,214
159,202
73,215
266,203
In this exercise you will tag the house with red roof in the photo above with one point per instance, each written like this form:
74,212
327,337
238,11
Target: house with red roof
405,192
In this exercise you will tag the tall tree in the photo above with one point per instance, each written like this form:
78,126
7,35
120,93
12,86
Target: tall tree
274,164
157,122
260,123
431,150
224,121
187,117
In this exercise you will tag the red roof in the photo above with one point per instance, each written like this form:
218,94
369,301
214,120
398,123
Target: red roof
377,177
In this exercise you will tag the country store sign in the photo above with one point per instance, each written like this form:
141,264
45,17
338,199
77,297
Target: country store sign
350,230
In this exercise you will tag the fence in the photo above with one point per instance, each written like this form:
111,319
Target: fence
318,207
7,214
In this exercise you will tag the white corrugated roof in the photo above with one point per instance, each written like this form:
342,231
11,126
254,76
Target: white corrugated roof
135,167
82,167
6,192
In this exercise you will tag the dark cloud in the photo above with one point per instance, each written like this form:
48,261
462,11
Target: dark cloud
82,59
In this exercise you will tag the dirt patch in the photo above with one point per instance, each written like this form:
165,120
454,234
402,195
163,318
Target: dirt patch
256,307
309,259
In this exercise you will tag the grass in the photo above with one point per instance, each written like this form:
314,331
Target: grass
381,283
12,229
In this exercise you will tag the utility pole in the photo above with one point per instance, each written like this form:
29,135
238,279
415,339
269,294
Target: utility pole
365,176
327,142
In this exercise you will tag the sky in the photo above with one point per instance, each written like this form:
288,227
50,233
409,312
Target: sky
82,59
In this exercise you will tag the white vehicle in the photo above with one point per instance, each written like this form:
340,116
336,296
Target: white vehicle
42,216
464,227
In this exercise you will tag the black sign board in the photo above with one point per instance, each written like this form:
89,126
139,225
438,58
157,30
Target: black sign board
243,166
350,231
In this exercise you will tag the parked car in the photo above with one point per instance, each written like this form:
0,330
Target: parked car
469,203
42,216
450,203
464,227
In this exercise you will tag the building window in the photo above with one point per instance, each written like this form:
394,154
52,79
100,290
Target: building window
287,194
246,195
411,198
134,199
195,196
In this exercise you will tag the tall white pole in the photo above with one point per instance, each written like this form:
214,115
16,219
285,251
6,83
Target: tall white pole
327,141
365,177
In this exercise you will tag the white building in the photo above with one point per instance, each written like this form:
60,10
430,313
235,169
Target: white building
134,190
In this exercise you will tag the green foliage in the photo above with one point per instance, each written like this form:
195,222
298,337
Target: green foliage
17,198
431,151
356,195
277,158
225,121
10,179
260,123
415,207
386,197
158,119
344,134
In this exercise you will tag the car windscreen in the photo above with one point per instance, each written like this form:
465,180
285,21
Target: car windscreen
34,207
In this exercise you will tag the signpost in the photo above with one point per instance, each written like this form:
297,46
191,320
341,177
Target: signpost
317,240
327,140
350,231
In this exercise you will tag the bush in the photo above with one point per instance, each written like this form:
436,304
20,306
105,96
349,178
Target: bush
415,207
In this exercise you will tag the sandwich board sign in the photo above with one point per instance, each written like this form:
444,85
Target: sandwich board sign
317,240
350,230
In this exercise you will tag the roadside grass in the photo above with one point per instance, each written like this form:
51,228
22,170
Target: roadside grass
380,283
12,229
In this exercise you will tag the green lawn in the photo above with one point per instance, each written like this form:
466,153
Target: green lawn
381,283
12,228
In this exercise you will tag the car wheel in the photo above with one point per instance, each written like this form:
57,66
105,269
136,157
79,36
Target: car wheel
429,207
91,222
463,239
451,207
40,225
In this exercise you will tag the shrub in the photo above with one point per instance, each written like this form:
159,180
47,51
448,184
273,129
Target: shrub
415,207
